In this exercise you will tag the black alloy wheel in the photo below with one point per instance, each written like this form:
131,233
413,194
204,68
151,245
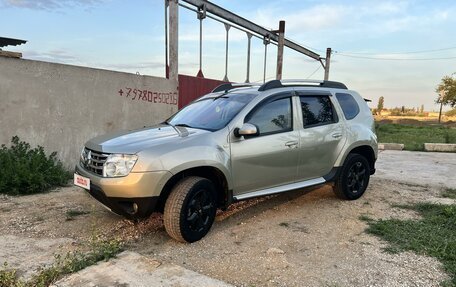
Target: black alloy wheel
199,211
190,209
357,176
354,177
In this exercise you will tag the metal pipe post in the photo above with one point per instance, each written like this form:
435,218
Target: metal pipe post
249,39
173,39
266,41
327,63
227,28
201,15
280,44
166,40
201,46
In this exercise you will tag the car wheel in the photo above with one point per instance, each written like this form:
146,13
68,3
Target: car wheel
190,209
354,177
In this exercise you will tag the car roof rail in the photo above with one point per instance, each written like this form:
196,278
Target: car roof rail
274,84
229,86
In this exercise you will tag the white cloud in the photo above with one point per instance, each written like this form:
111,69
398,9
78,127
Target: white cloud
372,16
317,17
135,66
57,56
47,4
385,7
413,22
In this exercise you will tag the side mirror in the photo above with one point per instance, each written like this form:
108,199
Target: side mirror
246,130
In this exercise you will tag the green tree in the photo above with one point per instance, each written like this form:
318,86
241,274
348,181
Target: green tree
447,91
381,101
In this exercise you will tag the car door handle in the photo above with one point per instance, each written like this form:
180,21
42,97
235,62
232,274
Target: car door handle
337,135
292,144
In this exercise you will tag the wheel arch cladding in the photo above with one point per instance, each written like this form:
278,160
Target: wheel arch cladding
368,153
209,172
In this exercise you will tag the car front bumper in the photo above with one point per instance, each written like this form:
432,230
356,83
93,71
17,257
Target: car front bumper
133,196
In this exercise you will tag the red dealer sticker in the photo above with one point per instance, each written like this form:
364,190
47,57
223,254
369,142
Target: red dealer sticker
81,181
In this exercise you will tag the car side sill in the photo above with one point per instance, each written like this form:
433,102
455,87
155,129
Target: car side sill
279,189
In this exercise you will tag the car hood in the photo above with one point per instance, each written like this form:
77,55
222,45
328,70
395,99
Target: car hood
134,141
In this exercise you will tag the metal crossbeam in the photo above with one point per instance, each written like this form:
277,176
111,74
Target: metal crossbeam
257,29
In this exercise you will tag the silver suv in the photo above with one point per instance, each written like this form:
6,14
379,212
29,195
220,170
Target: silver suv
238,142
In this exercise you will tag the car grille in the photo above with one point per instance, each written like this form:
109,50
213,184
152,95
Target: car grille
93,161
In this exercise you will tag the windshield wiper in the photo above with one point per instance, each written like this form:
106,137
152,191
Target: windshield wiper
220,96
187,126
183,125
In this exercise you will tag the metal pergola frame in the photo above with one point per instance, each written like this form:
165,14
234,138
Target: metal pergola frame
207,9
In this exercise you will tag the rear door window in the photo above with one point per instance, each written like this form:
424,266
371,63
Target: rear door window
317,110
348,104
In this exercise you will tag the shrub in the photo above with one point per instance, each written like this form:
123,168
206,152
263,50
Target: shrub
451,113
77,260
24,170
9,277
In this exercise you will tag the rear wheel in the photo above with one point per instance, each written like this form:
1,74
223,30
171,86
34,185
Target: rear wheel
354,177
190,209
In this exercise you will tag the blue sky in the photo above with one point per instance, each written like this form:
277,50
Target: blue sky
129,36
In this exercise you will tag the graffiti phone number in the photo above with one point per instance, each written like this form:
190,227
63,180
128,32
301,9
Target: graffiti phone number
169,98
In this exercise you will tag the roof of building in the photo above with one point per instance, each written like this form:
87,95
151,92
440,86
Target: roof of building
10,42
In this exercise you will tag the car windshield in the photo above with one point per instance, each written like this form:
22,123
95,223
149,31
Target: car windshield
211,113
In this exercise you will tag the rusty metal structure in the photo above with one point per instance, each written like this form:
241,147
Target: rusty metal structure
205,9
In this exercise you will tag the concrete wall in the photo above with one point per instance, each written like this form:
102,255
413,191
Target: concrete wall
60,107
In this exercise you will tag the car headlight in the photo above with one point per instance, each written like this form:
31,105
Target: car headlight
119,165
83,155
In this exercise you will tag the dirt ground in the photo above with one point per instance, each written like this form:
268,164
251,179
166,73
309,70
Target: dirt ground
300,238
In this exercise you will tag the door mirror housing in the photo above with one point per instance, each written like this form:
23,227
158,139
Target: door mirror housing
246,130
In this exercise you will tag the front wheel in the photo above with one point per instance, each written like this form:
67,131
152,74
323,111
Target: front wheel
354,177
190,209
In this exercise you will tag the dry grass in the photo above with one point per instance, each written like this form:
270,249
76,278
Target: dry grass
417,121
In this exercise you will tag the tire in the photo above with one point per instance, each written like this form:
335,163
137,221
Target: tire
190,209
354,177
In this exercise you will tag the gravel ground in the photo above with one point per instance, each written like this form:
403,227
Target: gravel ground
300,238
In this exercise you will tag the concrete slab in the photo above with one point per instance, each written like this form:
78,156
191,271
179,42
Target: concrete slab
133,269
390,146
422,168
442,147
16,250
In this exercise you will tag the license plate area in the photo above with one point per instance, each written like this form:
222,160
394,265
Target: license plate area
81,181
